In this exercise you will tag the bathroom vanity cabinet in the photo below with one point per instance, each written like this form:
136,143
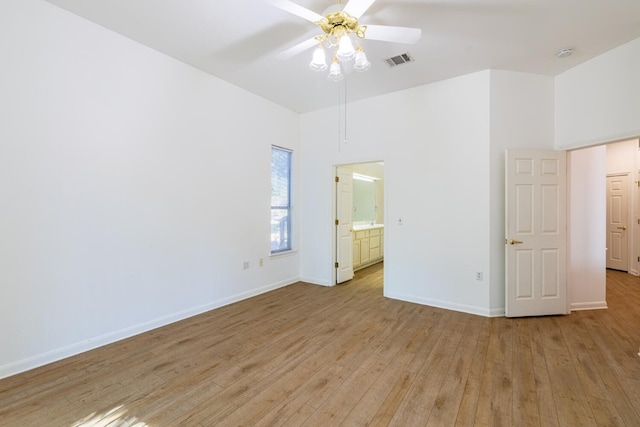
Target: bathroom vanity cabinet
368,245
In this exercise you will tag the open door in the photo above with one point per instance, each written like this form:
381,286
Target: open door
535,239
344,223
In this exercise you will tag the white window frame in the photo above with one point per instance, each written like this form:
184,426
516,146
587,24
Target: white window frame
281,236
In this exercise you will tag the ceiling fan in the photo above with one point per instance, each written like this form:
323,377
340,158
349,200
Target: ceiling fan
340,28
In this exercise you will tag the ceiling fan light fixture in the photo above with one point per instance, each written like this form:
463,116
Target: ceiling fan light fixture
341,33
335,73
319,61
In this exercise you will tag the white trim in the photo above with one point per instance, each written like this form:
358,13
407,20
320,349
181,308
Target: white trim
585,143
470,309
283,254
316,281
596,305
497,312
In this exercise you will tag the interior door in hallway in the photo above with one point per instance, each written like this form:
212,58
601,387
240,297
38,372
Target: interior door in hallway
536,235
344,223
617,222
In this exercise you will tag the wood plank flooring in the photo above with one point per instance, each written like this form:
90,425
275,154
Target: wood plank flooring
308,355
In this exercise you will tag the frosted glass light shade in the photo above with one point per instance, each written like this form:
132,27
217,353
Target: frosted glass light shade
362,63
335,73
346,52
318,62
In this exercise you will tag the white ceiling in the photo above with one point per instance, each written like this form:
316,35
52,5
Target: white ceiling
238,40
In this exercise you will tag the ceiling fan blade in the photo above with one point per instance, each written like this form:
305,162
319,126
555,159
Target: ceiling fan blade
296,9
387,33
296,49
357,8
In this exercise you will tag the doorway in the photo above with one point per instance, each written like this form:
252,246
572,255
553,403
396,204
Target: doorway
359,218
622,164
589,248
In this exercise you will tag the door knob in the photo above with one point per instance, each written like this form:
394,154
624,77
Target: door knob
514,242
622,228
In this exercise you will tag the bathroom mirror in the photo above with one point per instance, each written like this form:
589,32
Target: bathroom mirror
364,201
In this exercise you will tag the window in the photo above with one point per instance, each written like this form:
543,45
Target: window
280,200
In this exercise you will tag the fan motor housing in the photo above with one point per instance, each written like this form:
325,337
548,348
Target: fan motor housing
339,23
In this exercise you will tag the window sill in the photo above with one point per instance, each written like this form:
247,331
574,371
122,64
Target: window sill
283,254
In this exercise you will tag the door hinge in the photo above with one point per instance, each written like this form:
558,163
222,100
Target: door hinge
337,179
337,265
337,222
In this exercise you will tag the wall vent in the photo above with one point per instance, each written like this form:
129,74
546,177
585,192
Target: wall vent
394,61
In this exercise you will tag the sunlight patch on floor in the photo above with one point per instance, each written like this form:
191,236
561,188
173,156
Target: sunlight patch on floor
116,417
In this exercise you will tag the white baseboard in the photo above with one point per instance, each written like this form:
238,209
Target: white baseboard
111,337
470,309
596,305
315,281
497,312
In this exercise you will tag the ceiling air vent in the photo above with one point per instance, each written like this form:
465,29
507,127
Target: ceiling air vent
394,61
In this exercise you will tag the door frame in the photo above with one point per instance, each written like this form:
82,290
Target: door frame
334,195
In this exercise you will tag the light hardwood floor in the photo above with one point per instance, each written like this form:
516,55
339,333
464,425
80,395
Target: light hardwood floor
308,355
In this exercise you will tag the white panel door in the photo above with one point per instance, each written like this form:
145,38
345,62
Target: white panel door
617,222
344,223
535,239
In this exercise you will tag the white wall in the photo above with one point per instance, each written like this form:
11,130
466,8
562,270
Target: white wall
521,118
434,141
599,100
131,187
621,157
587,215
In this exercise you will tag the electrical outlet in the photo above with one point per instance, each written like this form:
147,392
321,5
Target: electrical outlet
245,265
479,275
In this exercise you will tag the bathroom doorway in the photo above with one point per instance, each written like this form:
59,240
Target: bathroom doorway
359,218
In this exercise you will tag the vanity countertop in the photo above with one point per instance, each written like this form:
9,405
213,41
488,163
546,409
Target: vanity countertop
367,226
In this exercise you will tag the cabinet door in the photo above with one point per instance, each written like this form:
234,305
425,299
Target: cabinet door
374,242
374,253
365,253
356,253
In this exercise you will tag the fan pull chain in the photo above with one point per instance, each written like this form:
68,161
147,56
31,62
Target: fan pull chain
345,111
339,129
